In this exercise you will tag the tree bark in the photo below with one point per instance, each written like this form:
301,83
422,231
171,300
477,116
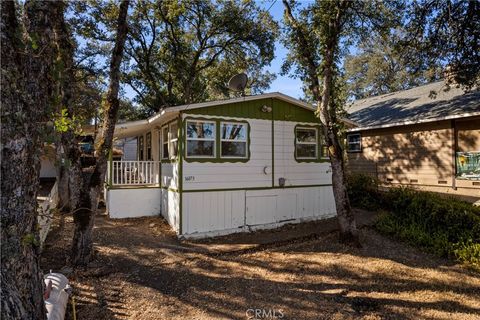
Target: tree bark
94,178
26,94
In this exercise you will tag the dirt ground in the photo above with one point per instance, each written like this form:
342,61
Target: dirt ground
141,271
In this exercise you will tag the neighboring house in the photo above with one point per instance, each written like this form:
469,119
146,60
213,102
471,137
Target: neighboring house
224,166
424,137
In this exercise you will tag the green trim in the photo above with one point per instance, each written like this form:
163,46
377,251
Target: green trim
134,187
281,110
258,188
217,156
180,172
319,158
170,189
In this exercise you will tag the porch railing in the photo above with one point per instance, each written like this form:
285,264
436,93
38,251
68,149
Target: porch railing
122,173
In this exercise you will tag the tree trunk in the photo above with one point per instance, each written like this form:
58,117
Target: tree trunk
70,169
26,93
326,109
82,245
328,117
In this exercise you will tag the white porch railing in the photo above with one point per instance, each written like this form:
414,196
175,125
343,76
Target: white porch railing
124,173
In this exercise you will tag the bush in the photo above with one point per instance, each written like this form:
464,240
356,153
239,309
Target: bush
363,192
444,225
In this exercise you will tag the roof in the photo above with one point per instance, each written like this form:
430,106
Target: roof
135,127
430,102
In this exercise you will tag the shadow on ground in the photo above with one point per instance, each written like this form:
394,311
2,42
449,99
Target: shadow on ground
141,271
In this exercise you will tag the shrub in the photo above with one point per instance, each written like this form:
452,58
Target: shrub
363,192
444,225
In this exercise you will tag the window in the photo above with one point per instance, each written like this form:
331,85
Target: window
200,139
173,140
354,142
306,143
468,165
233,138
169,141
149,145
140,148
165,142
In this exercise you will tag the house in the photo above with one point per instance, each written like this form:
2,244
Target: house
426,137
224,166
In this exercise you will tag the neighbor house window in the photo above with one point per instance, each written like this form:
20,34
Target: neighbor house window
165,142
200,139
140,148
233,138
306,143
354,142
149,145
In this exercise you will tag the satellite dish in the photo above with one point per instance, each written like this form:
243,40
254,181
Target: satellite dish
238,82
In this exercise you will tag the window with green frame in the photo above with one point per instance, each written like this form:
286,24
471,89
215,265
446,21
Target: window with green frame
308,144
233,140
216,140
200,137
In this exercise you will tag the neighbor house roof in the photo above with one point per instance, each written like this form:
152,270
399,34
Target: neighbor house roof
430,102
135,127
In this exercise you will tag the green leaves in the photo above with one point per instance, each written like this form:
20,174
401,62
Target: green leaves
64,122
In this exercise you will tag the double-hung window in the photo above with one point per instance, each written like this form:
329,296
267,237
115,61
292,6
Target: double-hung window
173,140
233,140
200,135
169,141
306,143
165,154
354,142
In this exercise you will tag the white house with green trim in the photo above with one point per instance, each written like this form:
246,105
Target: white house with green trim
225,166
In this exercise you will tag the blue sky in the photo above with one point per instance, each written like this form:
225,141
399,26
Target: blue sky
283,84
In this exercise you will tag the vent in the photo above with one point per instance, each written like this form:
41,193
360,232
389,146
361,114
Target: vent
389,179
413,180
475,183
442,181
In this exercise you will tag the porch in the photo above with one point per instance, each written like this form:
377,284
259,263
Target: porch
133,173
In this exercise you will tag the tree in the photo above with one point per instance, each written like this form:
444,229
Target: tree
184,52
317,38
382,65
448,33
27,86
94,177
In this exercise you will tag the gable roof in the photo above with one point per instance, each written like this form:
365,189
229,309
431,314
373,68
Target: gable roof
136,127
430,102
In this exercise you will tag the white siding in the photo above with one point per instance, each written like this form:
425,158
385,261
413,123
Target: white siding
171,208
213,211
295,173
223,212
197,176
169,175
131,203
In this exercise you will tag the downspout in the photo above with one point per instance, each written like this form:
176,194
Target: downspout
454,153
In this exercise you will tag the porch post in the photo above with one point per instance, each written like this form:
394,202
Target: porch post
110,167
